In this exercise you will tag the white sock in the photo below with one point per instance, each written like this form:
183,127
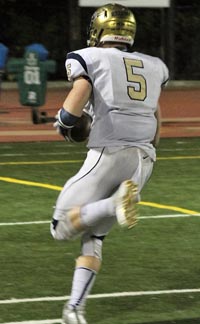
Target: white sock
93,212
83,281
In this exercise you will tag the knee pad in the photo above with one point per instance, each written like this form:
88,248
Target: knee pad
92,246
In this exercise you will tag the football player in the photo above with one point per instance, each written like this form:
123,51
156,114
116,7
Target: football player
123,89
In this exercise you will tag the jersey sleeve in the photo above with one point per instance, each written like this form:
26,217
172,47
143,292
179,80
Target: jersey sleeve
76,66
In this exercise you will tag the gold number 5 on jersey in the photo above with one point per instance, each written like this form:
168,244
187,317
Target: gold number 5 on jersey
135,94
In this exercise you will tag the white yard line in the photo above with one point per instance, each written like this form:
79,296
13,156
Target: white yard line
50,321
106,295
24,223
141,217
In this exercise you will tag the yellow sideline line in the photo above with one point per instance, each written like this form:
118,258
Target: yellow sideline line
161,206
57,188
40,162
78,161
30,183
179,157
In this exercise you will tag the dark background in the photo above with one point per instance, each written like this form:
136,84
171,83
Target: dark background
172,34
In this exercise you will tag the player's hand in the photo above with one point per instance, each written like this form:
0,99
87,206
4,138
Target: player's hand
79,132
60,130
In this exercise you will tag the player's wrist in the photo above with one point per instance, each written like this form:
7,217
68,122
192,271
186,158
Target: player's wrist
66,119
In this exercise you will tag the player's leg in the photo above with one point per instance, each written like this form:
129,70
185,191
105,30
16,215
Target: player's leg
143,172
78,190
128,194
79,219
87,267
86,270
122,204
84,277
89,263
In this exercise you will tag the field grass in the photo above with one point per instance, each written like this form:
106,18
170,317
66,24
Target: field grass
157,261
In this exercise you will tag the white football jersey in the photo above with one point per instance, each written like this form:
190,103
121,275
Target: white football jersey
126,90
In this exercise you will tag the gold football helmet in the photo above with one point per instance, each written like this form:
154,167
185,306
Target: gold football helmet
112,23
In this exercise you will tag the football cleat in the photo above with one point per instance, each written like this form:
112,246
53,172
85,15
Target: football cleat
73,316
126,199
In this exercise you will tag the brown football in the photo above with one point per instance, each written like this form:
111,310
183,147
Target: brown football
81,130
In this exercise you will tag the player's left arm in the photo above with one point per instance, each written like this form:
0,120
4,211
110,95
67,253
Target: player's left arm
156,139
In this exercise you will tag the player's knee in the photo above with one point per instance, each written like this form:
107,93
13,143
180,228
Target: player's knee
92,246
91,256
68,227
61,230
56,231
89,262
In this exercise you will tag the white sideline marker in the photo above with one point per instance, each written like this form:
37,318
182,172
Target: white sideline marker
52,321
24,223
140,217
110,295
106,295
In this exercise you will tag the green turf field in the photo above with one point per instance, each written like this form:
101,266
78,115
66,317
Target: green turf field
150,274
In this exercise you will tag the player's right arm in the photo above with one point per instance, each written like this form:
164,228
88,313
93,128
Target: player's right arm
164,80
156,139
